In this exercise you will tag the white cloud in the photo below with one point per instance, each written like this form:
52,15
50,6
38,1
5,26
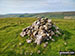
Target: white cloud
13,6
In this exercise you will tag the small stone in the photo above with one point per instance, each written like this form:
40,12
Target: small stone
42,20
46,18
47,34
65,43
38,23
20,44
31,53
46,43
22,34
28,32
47,38
52,33
45,27
44,35
29,41
25,53
35,32
57,28
36,27
38,39
52,39
49,20
38,51
58,32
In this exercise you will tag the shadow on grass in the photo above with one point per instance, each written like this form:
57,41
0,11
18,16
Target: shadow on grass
12,53
2,28
65,35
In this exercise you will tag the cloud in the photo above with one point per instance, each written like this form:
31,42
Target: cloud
35,6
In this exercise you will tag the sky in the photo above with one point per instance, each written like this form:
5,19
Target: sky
35,6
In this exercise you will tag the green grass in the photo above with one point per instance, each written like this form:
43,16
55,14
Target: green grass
10,29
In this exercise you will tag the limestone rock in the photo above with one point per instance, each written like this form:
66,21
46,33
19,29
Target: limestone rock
22,34
28,41
46,43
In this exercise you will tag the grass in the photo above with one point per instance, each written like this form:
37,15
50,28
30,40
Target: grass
10,29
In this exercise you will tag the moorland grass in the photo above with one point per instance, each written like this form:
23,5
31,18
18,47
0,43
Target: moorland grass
10,29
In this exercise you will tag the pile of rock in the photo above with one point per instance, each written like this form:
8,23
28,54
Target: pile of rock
40,30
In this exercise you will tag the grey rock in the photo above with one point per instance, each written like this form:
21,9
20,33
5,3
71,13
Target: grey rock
45,45
28,41
38,39
52,39
52,33
49,21
22,34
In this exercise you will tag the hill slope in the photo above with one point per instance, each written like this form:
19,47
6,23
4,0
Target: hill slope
46,14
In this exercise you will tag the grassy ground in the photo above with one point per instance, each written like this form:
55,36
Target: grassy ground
10,29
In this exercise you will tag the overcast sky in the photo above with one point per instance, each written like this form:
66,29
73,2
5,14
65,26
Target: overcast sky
35,6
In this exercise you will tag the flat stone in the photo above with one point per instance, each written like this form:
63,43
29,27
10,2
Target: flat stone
52,39
47,38
46,43
29,41
35,32
49,20
58,32
57,28
52,33
38,39
22,34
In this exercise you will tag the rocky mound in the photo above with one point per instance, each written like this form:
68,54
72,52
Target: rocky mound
41,30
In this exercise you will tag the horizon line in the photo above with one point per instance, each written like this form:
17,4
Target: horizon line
36,12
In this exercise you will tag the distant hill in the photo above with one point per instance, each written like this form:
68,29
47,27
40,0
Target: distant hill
46,14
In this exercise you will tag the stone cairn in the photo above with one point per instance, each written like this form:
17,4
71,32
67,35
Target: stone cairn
41,30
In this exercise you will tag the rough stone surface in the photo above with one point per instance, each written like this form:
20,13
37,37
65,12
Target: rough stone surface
42,29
